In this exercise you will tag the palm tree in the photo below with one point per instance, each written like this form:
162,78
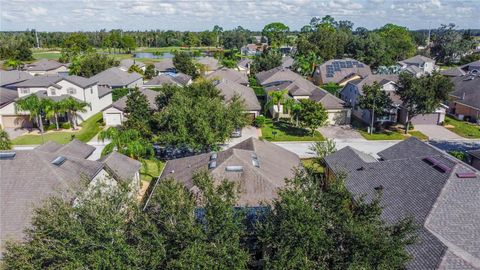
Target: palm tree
53,109
276,98
126,141
5,143
296,109
34,106
74,106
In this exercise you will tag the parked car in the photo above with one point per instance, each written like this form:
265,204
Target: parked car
237,133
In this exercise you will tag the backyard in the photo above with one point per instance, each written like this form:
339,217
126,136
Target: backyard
89,128
462,128
151,169
287,132
393,133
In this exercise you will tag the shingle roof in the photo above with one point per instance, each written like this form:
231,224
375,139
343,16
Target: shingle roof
244,62
103,91
329,101
229,74
120,166
287,61
210,62
229,89
127,63
475,153
121,104
440,203
74,148
467,90
167,78
453,72
115,77
337,70
13,76
7,96
52,80
44,65
417,60
165,65
257,184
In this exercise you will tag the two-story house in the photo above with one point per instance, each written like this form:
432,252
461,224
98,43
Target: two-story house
47,67
418,65
340,71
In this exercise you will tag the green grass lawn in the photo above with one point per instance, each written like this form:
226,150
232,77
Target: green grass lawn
393,134
151,169
287,132
310,163
54,55
462,128
90,128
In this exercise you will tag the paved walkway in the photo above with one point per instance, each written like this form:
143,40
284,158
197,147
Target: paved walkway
436,132
340,132
15,132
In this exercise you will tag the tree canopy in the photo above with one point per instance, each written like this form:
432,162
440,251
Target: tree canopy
375,100
183,62
265,61
313,115
91,63
276,33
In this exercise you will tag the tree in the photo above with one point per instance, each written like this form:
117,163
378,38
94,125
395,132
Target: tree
138,112
89,64
73,106
313,114
23,52
449,44
276,33
150,72
183,63
135,68
266,61
276,98
305,64
126,141
128,44
74,45
422,95
35,106
315,224
12,64
53,109
323,149
399,42
376,100
5,143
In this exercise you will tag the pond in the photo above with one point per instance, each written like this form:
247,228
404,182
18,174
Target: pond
152,55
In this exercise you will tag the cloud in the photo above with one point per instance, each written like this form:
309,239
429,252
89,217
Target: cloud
38,11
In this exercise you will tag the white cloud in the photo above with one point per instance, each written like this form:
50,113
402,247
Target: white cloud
38,11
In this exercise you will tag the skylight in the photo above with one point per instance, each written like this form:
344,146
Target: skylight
59,160
7,155
212,165
234,168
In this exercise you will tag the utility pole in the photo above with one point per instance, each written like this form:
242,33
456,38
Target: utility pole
36,38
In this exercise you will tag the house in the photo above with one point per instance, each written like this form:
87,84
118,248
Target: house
419,181
465,99
243,65
354,89
30,176
281,78
165,65
259,168
210,64
56,88
179,79
475,158
11,77
125,64
115,77
47,67
229,74
114,115
418,65
472,68
287,61
340,71
228,89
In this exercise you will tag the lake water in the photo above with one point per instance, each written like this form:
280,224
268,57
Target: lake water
151,55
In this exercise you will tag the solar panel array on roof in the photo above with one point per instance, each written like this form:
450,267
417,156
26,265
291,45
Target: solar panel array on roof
337,66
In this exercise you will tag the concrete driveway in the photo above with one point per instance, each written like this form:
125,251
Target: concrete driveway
247,132
15,132
340,132
436,132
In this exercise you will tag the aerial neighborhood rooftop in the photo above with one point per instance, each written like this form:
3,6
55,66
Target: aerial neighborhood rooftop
325,147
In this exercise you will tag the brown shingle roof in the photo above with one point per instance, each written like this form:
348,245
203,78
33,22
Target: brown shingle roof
229,89
44,65
229,74
341,70
121,104
120,166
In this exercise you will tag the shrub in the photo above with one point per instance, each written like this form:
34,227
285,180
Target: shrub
260,121
52,126
65,125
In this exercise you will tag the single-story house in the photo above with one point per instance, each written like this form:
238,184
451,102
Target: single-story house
11,77
340,71
165,65
125,64
179,79
211,64
354,89
465,99
418,65
47,67
55,88
30,176
229,74
229,89
114,115
281,78
243,65
259,168
418,181
115,77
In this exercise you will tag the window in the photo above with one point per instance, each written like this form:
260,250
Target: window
53,92
25,90
71,91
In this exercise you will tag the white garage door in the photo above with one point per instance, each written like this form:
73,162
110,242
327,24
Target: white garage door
337,118
113,119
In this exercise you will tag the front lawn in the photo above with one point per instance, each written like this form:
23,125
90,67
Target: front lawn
394,133
462,128
151,169
287,132
90,128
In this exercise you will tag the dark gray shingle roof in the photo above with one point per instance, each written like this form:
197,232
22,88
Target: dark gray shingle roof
13,76
121,104
467,90
7,96
229,89
229,74
115,77
120,166
44,65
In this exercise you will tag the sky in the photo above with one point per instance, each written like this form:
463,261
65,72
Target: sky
196,15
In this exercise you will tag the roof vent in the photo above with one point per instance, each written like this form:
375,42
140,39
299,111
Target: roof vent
234,168
212,165
361,169
213,156
255,163
7,155
59,160
466,175
379,188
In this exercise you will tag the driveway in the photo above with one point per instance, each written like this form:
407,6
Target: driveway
15,132
340,132
436,132
247,132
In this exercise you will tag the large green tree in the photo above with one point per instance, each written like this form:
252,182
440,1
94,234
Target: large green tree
276,98
34,106
313,115
138,112
129,142
183,62
276,33
399,42
266,61
89,64
73,106
449,44
375,100
76,44
422,95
